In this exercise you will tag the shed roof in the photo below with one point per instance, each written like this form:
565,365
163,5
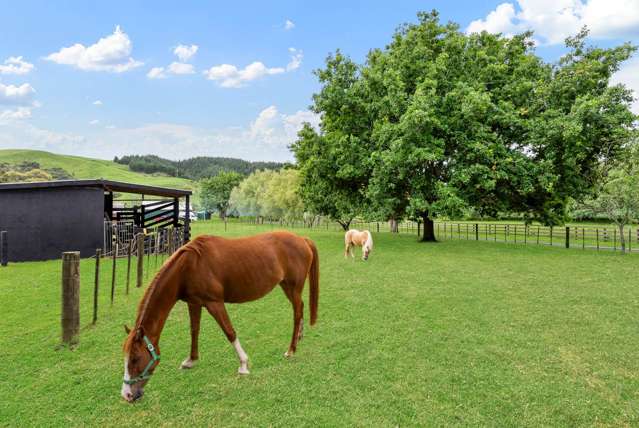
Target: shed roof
108,185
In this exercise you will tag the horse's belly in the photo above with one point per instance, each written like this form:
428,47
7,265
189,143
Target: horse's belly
240,293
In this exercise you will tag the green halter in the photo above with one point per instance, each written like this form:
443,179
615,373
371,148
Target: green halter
145,373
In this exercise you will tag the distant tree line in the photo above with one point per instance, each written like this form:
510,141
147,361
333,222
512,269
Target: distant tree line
195,168
30,171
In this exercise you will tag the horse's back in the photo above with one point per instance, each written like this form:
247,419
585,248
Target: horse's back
248,268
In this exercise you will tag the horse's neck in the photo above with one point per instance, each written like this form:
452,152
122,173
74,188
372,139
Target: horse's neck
158,301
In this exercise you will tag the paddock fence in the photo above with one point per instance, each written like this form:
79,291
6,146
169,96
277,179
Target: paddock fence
601,238
579,237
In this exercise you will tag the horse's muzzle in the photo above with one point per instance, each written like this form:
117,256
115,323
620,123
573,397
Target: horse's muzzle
133,396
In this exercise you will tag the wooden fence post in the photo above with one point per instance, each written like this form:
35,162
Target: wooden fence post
128,265
148,259
567,236
4,248
70,297
96,285
115,256
140,271
476,231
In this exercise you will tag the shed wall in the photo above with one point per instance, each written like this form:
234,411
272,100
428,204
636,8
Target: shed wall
43,223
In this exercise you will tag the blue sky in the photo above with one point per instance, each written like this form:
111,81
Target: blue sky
104,78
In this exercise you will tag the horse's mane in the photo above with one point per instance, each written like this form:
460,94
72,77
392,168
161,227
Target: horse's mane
369,240
148,293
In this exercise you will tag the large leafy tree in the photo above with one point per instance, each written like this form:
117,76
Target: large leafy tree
440,121
216,191
333,162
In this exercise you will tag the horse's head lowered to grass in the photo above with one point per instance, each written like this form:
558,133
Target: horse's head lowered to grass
141,357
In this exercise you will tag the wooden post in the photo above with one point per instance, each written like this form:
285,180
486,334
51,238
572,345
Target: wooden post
128,266
597,239
115,256
140,271
70,297
567,236
148,260
157,246
476,231
96,285
4,248
187,220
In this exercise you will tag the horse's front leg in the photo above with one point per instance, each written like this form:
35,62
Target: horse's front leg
195,314
218,311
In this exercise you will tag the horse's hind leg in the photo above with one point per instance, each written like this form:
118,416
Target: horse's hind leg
218,311
195,314
294,295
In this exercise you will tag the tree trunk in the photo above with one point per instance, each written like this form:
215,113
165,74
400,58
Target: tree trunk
429,229
394,225
622,239
345,224
223,214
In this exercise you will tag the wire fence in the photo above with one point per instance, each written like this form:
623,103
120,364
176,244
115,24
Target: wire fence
603,238
582,237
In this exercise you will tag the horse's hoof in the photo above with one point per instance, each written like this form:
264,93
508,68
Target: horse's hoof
188,364
243,371
288,354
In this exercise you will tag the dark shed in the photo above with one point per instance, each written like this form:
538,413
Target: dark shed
46,218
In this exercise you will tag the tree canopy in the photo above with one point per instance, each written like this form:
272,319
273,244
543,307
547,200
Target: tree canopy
271,194
440,121
215,191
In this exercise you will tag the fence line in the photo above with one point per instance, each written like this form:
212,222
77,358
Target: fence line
160,243
582,237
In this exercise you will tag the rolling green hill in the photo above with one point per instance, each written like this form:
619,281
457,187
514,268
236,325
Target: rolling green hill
87,168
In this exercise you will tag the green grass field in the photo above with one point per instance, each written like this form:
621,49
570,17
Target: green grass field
453,333
87,168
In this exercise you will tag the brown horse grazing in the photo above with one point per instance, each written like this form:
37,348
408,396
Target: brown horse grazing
210,271
363,239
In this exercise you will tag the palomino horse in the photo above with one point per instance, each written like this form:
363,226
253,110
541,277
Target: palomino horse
210,271
363,239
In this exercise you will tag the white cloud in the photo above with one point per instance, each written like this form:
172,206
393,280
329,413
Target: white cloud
265,138
20,134
97,103
554,20
180,68
94,122
17,114
289,25
16,95
156,73
111,53
629,76
296,59
229,76
185,53
276,129
15,65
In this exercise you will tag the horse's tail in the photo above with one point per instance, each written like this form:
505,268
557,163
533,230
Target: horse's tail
313,276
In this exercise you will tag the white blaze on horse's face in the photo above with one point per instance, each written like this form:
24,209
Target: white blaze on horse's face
130,392
126,392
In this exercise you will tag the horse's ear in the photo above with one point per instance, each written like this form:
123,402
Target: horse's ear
127,329
139,333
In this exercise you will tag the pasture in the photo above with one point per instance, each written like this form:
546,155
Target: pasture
453,333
